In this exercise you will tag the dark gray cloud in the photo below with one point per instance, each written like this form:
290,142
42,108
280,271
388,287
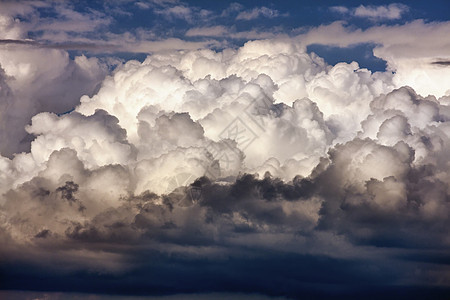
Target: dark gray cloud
441,63
372,213
100,47
228,239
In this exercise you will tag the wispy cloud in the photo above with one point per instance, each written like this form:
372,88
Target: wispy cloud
142,5
258,12
178,11
184,12
392,11
69,20
231,33
232,8
339,9
207,31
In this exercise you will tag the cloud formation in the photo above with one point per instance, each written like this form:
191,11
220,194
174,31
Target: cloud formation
258,12
408,49
392,11
258,168
39,80
168,151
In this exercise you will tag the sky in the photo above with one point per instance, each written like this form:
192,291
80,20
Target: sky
168,149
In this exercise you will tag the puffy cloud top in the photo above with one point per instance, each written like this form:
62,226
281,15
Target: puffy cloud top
210,167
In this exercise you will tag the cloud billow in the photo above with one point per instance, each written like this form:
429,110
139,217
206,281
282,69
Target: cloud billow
256,169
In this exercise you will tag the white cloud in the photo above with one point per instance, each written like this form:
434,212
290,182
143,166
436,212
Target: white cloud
232,8
339,9
70,20
341,156
392,11
66,19
340,98
409,50
207,31
258,12
41,80
10,25
142,5
388,12
184,12
178,11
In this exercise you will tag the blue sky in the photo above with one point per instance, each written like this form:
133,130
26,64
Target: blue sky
158,20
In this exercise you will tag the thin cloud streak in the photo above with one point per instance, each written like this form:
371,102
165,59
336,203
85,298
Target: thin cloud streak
392,11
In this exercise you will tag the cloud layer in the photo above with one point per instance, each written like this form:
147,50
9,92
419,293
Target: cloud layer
259,168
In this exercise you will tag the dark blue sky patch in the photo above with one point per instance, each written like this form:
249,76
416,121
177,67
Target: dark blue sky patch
362,53
274,274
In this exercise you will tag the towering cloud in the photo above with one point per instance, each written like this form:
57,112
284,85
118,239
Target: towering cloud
202,170
38,80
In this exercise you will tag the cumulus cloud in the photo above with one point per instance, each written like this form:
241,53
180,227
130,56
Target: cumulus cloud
198,170
163,154
408,49
38,80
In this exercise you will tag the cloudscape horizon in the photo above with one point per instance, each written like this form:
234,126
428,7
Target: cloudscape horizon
168,149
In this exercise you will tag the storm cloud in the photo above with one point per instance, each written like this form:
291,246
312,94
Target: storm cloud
251,169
